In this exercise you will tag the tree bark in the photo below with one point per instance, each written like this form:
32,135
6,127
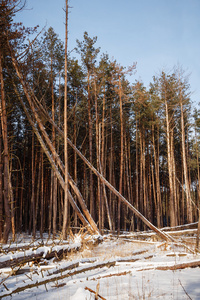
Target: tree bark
169,161
1,188
185,169
65,213
90,148
7,224
121,154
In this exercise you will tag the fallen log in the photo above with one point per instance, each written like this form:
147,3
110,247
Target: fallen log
36,257
181,227
56,278
192,264
70,267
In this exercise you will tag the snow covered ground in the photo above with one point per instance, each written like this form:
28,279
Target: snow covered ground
117,268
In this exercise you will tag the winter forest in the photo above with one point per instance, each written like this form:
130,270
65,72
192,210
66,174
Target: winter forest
81,146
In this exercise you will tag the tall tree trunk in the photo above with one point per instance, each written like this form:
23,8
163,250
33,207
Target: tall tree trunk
98,156
121,154
1,188
53,177
185,170
75,160
90,149
111,203
7,224
42,197
65,214
32,211
157,177
136,171
170,170
174,180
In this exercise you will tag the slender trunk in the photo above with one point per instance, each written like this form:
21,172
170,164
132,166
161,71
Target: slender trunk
144,173
42,197
127,175
1,189
32,211
21,206
157,178
136,171
111,203
90,148
170,171
185,170
75,159
65,214
121,154
7,224
50,207
141,201
38,187
53,177
97,156
174,180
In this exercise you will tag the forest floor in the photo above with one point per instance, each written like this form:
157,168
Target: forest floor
128,266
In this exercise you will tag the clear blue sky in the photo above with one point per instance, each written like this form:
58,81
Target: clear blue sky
157,34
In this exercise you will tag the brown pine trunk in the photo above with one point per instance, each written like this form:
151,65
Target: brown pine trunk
185,169
75,160
157,179
90,149
141,197
32,211
7,223
136,171
98,157
42,197
21,206
170,171
144,173
65,213
174,181
1,189
111,179
53,177
121,154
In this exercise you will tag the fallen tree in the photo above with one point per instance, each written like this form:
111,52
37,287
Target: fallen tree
192,264
62,276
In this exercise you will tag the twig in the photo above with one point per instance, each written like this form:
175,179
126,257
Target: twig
5,287
184,290
91,291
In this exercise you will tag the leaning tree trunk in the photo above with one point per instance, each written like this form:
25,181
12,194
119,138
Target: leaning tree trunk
49,156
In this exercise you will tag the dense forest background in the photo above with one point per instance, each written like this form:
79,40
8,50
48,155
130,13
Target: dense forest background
144,141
